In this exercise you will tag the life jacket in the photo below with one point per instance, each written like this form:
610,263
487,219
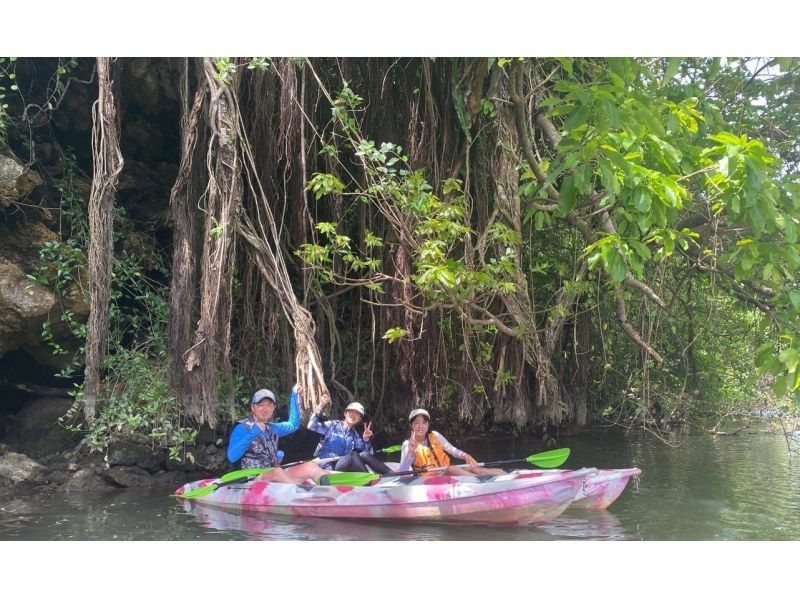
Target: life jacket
432,455
263,450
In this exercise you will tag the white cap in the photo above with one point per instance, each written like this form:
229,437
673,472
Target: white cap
417,412
355,407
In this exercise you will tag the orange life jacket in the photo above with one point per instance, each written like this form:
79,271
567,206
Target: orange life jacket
430,456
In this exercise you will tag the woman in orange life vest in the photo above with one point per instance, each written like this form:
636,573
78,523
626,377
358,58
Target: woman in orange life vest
426,448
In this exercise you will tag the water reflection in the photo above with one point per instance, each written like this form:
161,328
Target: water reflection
573,524
586,524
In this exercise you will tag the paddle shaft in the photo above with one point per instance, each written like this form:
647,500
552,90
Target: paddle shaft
430,469
554,458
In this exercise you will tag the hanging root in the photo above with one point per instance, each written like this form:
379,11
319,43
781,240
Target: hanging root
108,162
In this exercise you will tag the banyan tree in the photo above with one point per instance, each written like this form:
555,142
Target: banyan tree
475,235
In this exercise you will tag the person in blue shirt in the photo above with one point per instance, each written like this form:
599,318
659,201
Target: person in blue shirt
340,439
254,440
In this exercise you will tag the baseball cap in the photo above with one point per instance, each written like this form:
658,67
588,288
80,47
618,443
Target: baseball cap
262,394
356,407
417,412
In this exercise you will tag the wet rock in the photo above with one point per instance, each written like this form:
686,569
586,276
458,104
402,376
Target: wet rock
87,480
16,180
206,435
59,477
25,306
16,468
37,431
128,477
209,457
124,452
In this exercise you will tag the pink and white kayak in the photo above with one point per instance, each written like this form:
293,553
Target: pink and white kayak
514,501
599,490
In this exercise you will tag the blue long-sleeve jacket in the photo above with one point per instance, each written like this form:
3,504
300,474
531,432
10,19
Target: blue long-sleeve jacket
245,432
339,440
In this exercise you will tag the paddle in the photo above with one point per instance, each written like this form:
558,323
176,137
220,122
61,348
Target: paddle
547,460
243,475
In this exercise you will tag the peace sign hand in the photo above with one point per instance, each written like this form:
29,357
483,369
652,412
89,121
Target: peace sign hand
367,432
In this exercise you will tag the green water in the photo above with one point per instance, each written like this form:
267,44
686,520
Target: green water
708,488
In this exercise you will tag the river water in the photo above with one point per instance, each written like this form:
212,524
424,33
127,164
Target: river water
706,488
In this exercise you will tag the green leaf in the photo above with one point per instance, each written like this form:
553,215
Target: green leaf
713,69
614,264
640,248
394,334
794,297
672,69
642,199
644,221
578,118
611,113
583,178
567,195
566,63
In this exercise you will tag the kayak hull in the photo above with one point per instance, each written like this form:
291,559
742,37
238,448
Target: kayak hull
600,488
523,501
598,491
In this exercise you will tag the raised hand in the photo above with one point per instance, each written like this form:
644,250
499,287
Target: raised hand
299,390
324,404
367,432
412,441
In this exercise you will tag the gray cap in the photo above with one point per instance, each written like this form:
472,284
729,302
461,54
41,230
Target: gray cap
261,395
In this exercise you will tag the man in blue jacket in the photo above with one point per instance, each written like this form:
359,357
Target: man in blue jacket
254,440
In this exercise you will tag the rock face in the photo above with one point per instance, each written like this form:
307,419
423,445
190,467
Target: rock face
25,305
16,181
16,468
128,477
123,452
87,480
37,432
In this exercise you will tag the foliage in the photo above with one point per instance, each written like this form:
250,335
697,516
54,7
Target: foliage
137,397
19,110
649,146
651,159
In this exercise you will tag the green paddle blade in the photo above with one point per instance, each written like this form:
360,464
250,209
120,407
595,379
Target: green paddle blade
240,475
198,492
549,459
391,449
347,478
244,473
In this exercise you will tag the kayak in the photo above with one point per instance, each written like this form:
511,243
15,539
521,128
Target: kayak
528,500
598,491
